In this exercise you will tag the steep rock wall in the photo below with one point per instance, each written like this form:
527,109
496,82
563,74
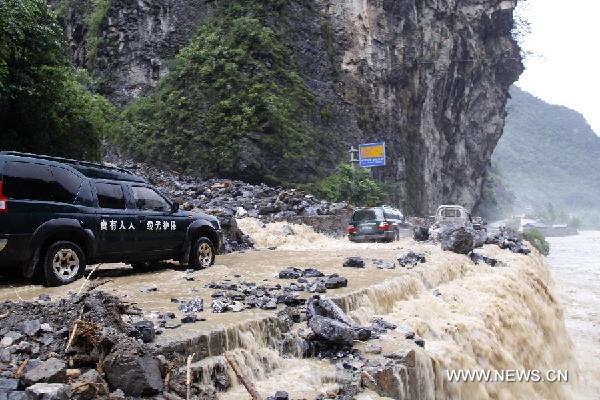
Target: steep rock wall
429,77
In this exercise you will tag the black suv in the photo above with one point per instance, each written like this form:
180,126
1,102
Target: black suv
57,215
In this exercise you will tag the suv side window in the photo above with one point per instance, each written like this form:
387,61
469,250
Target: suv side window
148,199
66,185
27,181
110,195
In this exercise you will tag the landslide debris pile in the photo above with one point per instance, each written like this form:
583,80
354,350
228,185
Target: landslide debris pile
229,199
78,347
331,334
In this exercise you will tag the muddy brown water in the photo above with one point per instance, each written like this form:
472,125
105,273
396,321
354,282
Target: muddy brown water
471,317
575,265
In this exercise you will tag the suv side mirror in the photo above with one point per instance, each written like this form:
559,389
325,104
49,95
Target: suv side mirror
174,207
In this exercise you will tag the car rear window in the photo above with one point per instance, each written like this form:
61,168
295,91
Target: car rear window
451,212
32,181
366,215
110,195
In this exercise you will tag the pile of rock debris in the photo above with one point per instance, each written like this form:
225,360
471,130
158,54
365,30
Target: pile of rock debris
78,348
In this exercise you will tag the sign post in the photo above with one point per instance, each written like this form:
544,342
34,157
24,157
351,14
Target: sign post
371,155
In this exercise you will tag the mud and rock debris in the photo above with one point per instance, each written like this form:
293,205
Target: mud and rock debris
78,347
509,239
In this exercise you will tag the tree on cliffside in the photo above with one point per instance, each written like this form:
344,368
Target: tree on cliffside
232,103
43,107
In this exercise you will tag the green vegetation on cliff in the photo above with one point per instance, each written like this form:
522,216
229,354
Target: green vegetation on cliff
231,90
537,240
43,106
351,184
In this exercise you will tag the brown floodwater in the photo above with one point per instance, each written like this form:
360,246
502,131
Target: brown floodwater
470,316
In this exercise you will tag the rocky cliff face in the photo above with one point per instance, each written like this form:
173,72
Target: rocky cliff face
430,77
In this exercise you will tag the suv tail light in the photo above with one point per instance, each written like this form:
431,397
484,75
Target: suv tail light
3,200
351,229
384,226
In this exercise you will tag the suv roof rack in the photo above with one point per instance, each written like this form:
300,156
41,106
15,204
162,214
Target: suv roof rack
87,168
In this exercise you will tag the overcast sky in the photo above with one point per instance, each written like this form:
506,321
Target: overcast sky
565,66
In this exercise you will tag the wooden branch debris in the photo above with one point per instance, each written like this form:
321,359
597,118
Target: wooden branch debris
188,375
242,378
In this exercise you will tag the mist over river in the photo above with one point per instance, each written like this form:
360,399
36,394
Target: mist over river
575,265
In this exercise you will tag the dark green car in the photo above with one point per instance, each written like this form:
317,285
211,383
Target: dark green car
59,215
376,224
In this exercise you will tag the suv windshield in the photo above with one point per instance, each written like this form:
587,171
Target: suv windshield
366,215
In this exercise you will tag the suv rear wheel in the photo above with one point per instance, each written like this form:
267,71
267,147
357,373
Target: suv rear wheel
64,262
202,253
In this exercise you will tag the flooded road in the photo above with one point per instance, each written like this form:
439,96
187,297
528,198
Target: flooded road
469,316
575,266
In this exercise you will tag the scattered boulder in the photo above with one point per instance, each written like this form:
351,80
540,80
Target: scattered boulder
48,391
361,333
380,326
31,327
509,239
290,273
420,234
279,395
479,258
134,374
331,330
354,262
8,384
52,370
188,319
145,330
312,273
317,287
334,281
322,306
411,259
457,240
192,306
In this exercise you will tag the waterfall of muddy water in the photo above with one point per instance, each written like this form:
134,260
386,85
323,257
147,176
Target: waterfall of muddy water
575,266
478,318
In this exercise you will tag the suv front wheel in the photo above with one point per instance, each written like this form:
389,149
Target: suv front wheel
202,253
63,263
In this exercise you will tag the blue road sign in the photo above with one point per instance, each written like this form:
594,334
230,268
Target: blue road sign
371,155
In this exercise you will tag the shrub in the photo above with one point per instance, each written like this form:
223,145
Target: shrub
351,184
537,240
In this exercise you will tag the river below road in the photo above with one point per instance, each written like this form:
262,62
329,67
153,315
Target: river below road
575,265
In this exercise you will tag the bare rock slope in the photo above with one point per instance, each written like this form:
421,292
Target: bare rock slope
429,77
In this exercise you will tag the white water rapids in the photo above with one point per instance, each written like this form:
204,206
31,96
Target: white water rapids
471,317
